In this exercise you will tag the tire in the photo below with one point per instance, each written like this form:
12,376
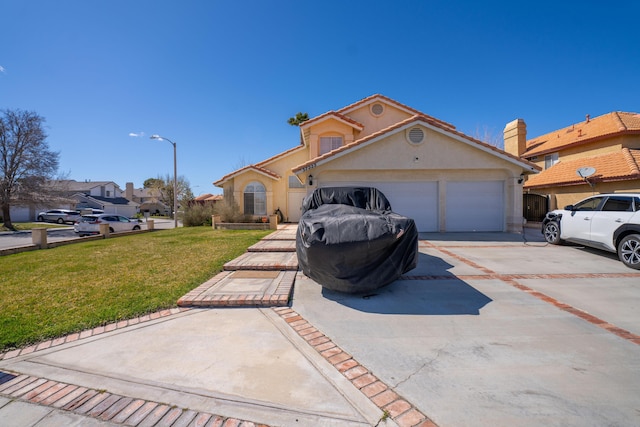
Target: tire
629,251
136,227
60,221
111,230
552,232
41,218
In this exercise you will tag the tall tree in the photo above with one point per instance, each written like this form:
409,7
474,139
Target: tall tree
298,119
162,189
26,162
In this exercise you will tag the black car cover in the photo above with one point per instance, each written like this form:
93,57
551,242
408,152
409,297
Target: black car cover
349,240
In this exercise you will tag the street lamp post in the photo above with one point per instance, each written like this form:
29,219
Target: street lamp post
175,178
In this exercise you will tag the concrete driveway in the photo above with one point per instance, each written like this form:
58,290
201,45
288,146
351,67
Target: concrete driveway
493,330
489,330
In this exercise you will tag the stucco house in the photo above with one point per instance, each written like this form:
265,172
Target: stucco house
606,148
443,179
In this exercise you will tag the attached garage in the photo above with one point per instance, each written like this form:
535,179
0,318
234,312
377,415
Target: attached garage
475,206
416,200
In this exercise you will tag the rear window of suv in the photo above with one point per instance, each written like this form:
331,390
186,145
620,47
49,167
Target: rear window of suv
618,204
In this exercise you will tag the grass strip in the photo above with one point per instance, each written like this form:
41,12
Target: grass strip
50,293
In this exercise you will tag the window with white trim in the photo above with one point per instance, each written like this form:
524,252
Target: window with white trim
329,143
550,160
255,199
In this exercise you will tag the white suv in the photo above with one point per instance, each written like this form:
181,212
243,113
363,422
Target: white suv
606,221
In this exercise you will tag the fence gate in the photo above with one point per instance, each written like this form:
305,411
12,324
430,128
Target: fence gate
534,207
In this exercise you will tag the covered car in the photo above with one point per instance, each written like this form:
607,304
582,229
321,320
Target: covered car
349,240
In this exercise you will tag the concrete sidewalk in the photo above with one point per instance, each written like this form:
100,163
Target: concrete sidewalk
489,329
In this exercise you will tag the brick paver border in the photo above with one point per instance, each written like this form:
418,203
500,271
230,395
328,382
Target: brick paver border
512,280
105,406
404,413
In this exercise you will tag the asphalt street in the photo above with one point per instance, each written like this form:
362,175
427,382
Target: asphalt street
23,238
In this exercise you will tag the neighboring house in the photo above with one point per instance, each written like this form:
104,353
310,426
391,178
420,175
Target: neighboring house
608,146
147,200
207,199
443,179
72,194
105,195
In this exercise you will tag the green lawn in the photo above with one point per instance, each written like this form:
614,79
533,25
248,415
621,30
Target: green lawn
21,226
53,292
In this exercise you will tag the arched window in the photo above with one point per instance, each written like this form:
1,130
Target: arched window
255,199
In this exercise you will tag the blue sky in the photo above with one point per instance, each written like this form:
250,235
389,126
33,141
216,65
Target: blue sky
222,78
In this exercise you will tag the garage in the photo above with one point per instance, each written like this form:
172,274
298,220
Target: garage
469,206
416,200
474,206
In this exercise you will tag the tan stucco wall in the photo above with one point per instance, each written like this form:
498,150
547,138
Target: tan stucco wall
276,189
563,196
440,158
373,124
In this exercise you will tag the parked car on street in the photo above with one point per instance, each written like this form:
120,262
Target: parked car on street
90,224
61,216
610,222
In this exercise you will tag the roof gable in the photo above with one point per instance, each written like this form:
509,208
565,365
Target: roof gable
424,120
385,100
605,126
332,115
254,168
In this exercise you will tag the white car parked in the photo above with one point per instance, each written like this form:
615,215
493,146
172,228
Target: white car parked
90,224
60,216
606,221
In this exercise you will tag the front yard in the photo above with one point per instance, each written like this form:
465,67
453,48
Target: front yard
53,292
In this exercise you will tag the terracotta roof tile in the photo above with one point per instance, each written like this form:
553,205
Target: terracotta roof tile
370,99
256,168
603,126
208,197
328,114
618,166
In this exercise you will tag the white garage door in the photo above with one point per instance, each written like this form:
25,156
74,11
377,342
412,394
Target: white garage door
416,200
475,206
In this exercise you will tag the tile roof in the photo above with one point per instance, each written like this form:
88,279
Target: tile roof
329,114
604,126
208,197
618,166
255,168
372,98
419,117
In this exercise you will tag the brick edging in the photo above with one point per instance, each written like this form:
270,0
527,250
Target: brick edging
399,409
105,406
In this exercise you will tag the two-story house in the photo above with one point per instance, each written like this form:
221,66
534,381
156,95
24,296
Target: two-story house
597,155
443,179
104,195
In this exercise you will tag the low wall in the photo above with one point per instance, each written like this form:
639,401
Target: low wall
242,226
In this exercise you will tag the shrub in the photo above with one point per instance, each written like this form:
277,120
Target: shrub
229,211
196,215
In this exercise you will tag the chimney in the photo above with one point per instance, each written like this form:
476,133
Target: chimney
515,137
128,191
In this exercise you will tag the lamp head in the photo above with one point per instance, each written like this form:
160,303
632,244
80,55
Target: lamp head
156,136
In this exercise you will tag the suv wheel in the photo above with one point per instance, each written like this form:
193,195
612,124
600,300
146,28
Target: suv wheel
552,232
629,251
41,218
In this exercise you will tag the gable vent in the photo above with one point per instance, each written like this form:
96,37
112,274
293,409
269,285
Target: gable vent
377,109
416,135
